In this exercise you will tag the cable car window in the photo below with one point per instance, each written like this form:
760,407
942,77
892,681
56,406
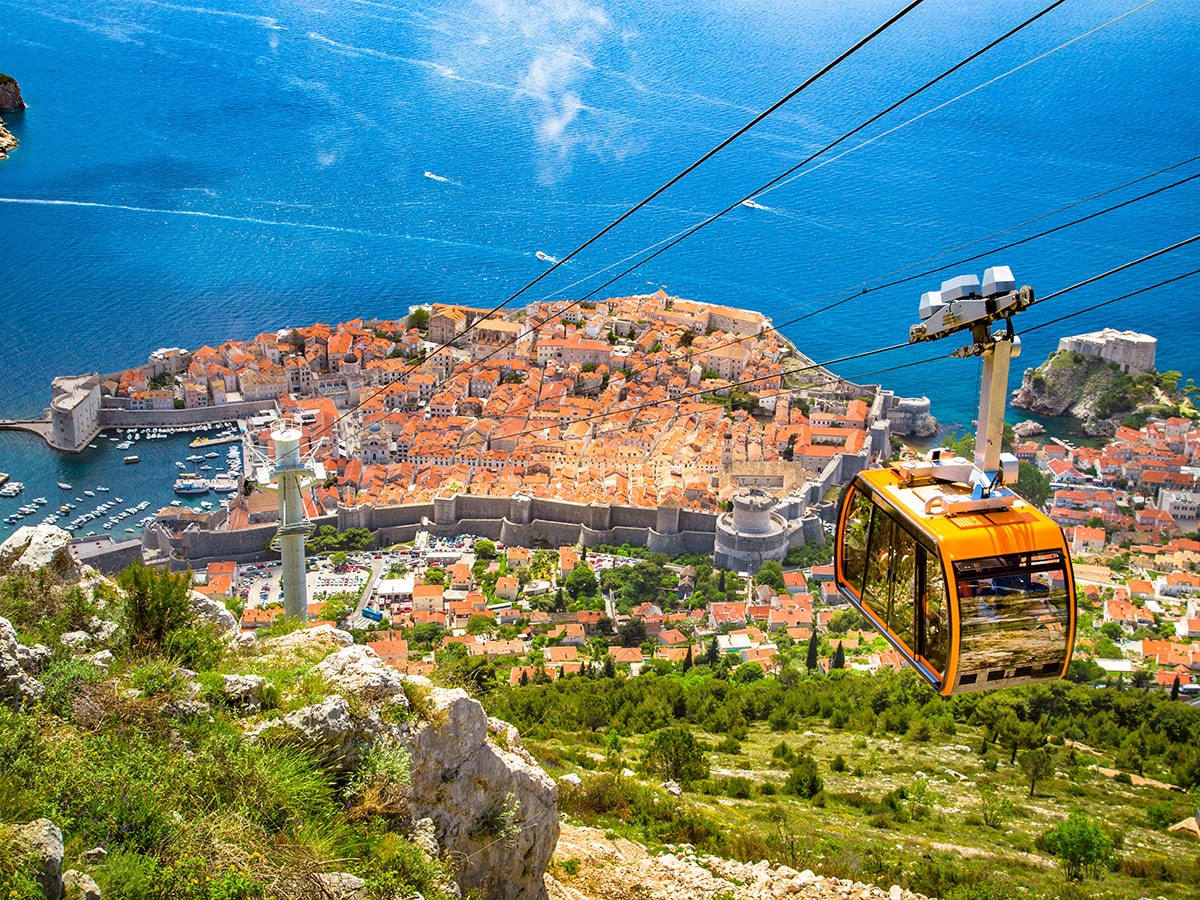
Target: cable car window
879,555
936,633
904,573
854,546
889,589
1014,611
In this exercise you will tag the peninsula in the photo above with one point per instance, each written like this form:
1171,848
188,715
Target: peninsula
641,403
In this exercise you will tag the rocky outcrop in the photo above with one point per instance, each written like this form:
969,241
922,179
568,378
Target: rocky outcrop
10,101
17,663
213,611
10,94
44,840
79,886
360,671
322,637
34,547
244,690
1028,429
495,810
618,869
476,795
329,730
1091,390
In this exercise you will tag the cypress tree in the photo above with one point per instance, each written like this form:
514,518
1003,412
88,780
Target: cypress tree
712,655
687,660
810,661
839,658
1175,689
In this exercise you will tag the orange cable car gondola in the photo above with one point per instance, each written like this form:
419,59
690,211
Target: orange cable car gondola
969,583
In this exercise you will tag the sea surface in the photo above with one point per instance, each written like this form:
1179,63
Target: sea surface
200,170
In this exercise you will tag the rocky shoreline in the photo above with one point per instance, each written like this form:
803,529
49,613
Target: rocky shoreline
10,101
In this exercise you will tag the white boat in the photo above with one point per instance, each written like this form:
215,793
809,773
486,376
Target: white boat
129,460
64,486
89,493
102,489
545,257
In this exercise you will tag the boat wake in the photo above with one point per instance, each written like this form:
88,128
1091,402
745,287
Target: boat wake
753,205
442,178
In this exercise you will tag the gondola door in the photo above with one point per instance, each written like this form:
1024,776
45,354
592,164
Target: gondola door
895,579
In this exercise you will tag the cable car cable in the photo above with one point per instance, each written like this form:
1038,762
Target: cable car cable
681,236
979,87
862,355
1095,306
1070,315
964,260
774,107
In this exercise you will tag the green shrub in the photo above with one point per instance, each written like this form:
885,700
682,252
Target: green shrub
1081,845
157,678
1162,815
739,788
804,780
62,677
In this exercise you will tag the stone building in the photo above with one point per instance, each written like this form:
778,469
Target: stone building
1133,352
75,410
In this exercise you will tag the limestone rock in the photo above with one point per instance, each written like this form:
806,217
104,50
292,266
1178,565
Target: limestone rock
34,546
95,856
342,886
495,810
44,840
213,611
327,728
360,670
10,95
424,835
101,629
1028,429
79,886
245,690
33,658
571,778
103,659
243,641
672,788
17,686
75,640
321,637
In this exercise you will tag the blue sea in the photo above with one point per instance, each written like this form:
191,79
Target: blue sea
199,170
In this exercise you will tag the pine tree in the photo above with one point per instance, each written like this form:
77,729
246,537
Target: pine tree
810,661
839,658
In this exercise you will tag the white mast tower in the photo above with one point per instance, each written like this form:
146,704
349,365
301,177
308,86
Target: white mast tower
288,478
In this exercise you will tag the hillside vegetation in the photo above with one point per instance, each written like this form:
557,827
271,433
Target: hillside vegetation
138,747
879,779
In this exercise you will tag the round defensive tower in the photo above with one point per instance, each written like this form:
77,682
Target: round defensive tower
751,533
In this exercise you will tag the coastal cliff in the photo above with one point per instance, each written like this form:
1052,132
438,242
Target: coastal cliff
10,101
1097,393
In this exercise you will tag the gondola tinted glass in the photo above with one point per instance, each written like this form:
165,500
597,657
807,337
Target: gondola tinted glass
1014,615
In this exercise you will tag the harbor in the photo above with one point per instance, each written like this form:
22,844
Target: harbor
98,493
